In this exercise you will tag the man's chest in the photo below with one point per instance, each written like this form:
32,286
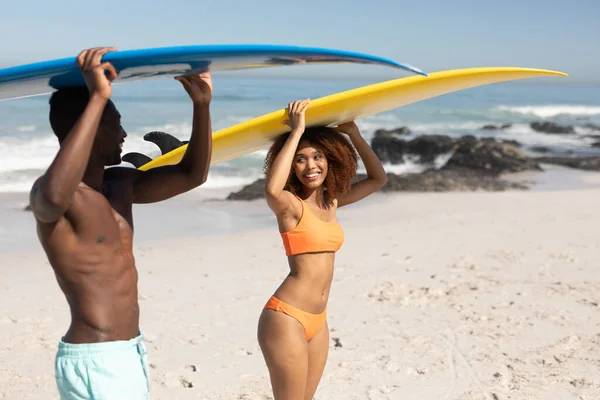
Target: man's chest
119,195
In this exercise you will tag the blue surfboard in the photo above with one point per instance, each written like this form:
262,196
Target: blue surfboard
47,76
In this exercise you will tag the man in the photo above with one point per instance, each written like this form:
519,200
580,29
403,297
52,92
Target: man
84,223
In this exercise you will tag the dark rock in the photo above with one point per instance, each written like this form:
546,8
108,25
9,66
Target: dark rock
510,141
428,147
592,136
486,154
389,149
27,208
403,130
489,155
596,144
551,127
253,191
585,163
493,139
592,126
540,149
495,128
456,180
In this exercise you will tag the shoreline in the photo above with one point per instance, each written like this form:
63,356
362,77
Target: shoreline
207,212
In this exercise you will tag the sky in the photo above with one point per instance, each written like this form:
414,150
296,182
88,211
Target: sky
432,35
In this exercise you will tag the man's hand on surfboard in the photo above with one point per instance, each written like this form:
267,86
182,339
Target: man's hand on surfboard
98,75
296,116
199,87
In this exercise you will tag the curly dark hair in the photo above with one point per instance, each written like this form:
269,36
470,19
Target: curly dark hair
342,161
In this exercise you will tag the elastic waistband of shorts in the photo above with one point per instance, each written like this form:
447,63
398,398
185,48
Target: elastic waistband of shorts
90,349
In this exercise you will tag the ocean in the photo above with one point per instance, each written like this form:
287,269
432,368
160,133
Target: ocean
27,145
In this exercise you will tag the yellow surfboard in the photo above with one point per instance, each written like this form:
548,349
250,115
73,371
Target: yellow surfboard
258,133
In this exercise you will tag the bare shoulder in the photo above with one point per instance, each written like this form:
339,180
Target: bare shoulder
283,204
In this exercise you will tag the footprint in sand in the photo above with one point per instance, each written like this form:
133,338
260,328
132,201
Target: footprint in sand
381,392
562,256
505,257
465,263
186,383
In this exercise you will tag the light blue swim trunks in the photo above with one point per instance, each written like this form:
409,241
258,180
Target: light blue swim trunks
103,371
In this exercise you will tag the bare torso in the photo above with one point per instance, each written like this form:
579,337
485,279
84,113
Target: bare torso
309,282
90,250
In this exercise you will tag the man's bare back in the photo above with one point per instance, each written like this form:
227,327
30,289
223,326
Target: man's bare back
85,225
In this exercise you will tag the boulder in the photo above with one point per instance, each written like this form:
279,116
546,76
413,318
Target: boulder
552,127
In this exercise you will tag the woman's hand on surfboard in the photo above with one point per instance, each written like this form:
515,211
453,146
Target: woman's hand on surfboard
98,75
349,128
296,115
199,87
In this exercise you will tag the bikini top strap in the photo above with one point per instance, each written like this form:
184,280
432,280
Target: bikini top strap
303,206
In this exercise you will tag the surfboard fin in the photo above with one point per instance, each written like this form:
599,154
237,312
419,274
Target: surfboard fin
165,142
136,159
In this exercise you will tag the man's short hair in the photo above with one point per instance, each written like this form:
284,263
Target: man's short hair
66,107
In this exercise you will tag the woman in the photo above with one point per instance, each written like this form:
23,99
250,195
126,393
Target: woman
309,176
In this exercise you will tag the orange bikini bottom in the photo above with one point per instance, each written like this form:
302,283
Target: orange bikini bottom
312,323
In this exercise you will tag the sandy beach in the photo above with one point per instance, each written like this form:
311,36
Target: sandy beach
482,295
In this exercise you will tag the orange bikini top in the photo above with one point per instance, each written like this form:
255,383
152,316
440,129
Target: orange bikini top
312,234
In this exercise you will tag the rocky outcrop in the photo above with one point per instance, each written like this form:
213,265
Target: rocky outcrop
585,163
551,127
473,164
253,191
496,128
487,154
455,180
540,149
429,147
392,149
389,149
402,131
592,126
